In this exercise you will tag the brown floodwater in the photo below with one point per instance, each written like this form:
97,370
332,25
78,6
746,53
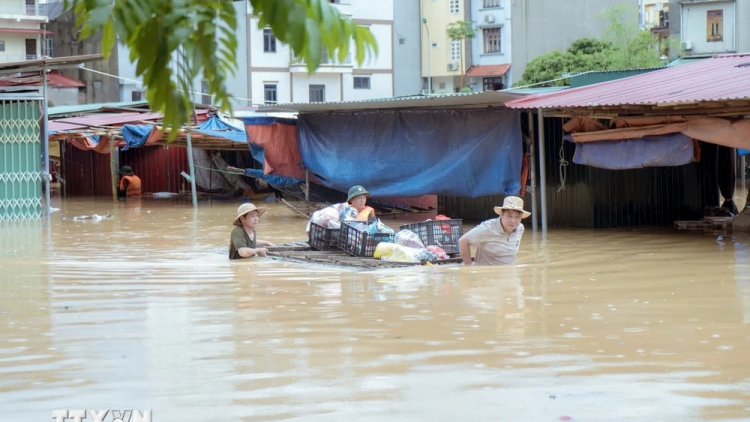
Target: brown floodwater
143,310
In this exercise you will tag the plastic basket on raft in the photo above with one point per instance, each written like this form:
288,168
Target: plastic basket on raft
322,238
358,242
443,233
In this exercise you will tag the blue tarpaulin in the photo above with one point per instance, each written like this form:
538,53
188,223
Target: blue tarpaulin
216,127
278,181
135,135
650,151
412,153
743,151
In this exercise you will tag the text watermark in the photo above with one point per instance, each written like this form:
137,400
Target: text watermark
108,415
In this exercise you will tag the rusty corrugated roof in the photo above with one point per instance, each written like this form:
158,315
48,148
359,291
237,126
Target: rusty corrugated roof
720,78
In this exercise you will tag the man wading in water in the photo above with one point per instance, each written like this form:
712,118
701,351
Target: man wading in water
244,242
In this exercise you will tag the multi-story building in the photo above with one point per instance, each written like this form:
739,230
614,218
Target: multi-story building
276,75
710,27
443,59
491,46
22,31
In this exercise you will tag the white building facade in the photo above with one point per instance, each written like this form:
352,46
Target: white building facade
275,75
22,36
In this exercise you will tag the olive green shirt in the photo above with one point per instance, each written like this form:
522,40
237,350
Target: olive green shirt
240,239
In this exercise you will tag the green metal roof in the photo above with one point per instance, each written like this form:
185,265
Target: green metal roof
590,78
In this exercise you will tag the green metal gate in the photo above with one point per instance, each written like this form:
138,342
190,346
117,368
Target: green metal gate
20,160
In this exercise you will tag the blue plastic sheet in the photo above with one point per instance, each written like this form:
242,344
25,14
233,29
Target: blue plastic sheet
216,127
742,152
278,181
135,135
267,120
412,153
650,151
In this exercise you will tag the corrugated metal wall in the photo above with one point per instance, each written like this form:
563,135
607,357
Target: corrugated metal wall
159,167
87,173
598,198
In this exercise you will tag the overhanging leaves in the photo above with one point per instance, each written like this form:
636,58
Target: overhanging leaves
172,42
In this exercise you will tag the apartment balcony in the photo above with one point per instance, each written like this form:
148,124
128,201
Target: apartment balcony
11,58
328,64
23,13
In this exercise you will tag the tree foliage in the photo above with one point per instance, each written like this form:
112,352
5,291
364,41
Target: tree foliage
172,42
623,46
460,31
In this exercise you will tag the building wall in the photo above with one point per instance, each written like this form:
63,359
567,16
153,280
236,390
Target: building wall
62,96
407,77
435,42
540,26
694,27
494,17
66,41
14,14
292,79
301,86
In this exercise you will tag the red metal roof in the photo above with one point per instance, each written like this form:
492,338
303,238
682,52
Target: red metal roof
54,80
720,78
488,70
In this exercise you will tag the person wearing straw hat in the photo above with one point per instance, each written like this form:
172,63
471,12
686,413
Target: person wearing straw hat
496,240
130,184
244,241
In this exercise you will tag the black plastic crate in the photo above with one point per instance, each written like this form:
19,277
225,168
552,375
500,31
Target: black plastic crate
443,233
359,243
322,238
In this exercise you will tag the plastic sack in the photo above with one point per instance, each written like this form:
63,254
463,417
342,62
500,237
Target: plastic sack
409,238
334,225
387,251
438,251
324,216
379,227
347,213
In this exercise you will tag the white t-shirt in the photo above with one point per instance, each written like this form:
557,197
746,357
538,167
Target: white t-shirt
494,246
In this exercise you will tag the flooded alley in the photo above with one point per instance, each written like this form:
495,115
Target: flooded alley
140,308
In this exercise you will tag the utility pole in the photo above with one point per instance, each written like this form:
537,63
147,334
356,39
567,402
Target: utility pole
429,53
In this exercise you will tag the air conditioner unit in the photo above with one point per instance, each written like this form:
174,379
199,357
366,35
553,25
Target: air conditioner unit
489,18
452,66
687,45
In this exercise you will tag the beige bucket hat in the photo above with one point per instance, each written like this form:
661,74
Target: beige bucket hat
246,208
512,203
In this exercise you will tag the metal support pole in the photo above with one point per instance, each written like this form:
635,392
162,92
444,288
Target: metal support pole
542,172
307,185
192,169
532,170
47,210
743,183
113,167
429,51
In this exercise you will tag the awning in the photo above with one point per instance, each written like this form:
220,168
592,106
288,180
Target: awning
488,70
24,31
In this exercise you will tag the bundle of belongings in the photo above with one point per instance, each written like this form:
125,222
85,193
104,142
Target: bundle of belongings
331,216
408,247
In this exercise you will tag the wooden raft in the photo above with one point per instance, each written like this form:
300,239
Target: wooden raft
302,252
708,223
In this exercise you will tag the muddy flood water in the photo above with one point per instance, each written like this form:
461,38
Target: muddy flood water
144,311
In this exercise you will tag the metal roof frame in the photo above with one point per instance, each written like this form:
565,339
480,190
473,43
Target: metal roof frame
459,100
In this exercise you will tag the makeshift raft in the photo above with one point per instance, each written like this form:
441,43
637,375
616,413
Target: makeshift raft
708,223
302,252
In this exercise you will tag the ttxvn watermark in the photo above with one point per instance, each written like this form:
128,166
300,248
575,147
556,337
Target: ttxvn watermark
108,415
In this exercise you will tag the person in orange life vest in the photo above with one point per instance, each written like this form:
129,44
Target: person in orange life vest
130,184
358,199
